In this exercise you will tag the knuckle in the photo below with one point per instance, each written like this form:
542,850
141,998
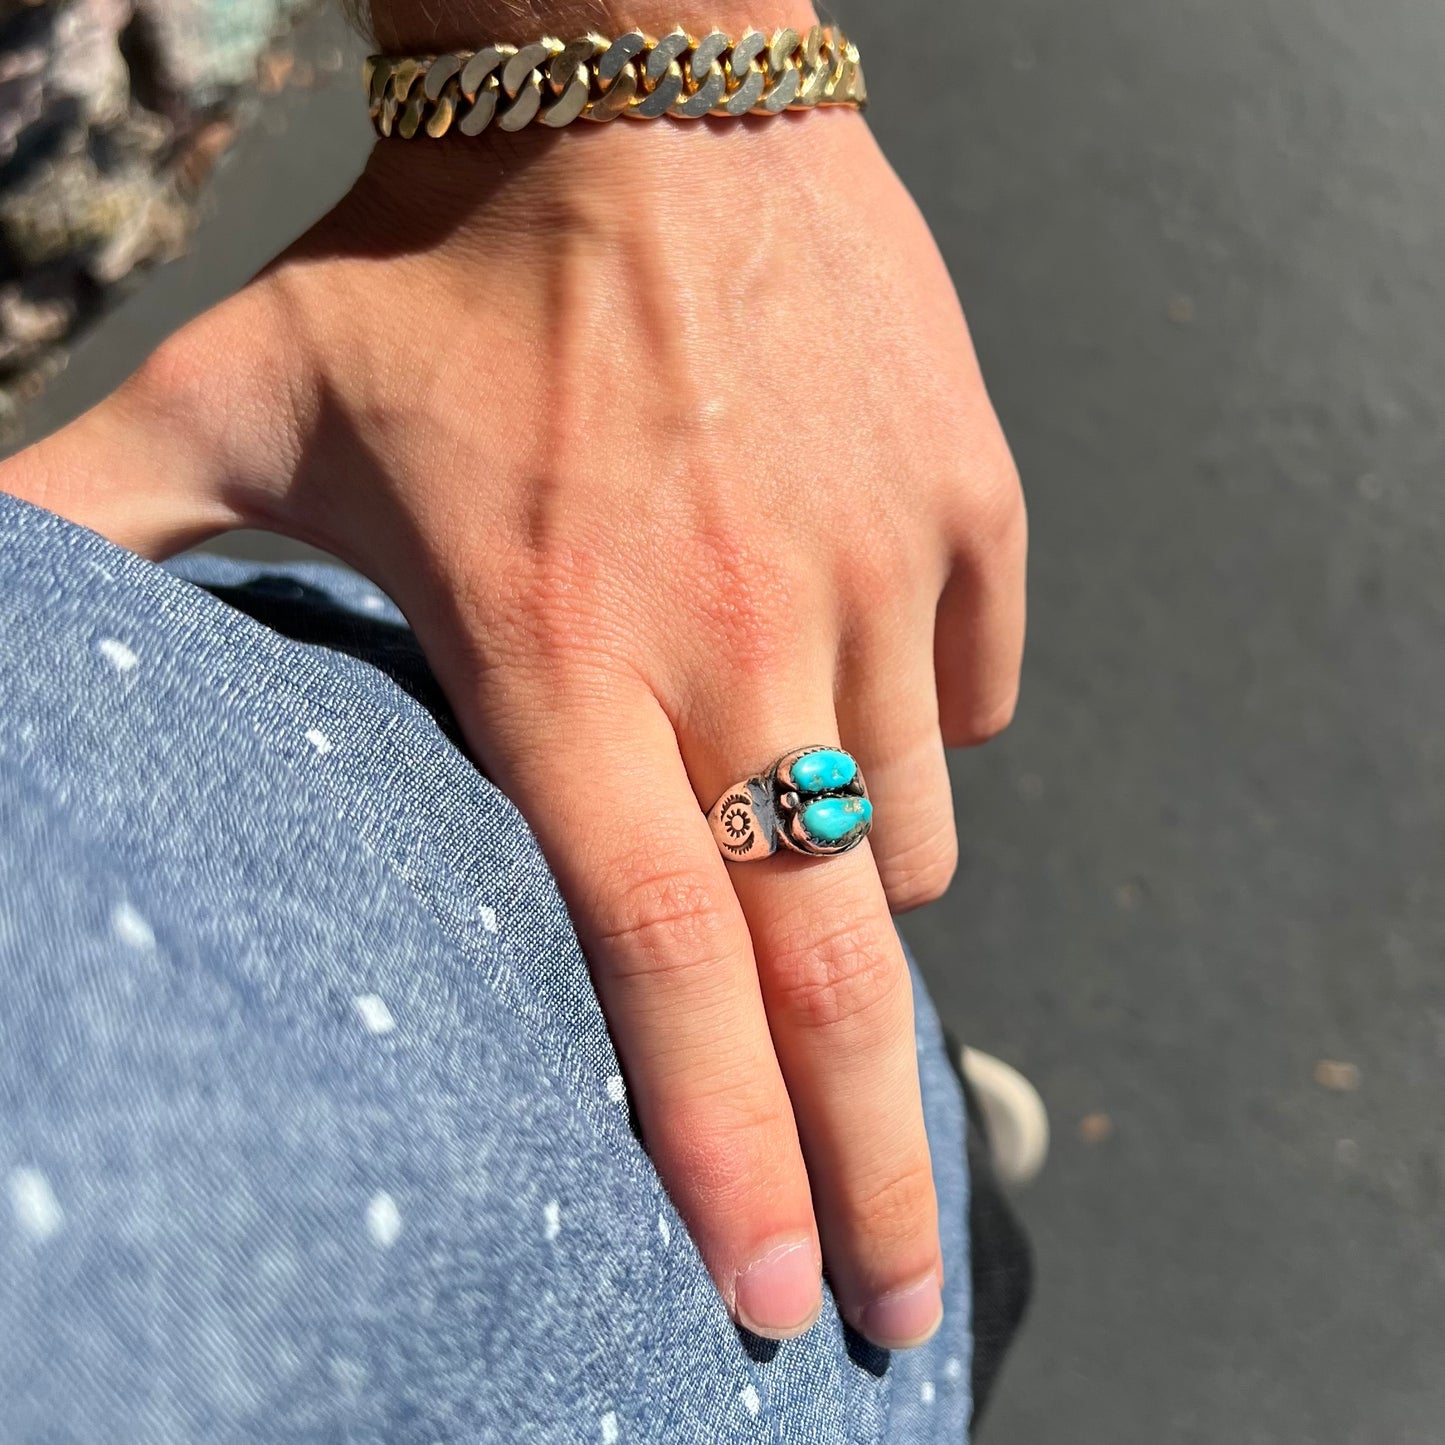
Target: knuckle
172,372
869,573
726,1145
921,871
554,592
902,1206
181,373
995,516
746,610
664,923
986,723
846,976
991,723
567,610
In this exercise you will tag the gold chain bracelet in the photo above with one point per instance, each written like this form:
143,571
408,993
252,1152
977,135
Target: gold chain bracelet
553,83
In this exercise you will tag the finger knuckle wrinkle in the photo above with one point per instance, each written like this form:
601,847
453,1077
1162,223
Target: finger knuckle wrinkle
728,1124
901,1206
667,923
920,873
843,977
730,1156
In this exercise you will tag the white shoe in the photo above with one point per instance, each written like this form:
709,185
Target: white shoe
1013,1114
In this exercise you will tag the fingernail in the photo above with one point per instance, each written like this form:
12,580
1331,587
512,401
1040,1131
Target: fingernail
780,1293
906,1318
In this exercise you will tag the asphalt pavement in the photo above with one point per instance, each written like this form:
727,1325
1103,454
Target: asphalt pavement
1202,249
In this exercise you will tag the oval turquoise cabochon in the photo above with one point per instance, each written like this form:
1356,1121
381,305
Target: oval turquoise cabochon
823,771
831,820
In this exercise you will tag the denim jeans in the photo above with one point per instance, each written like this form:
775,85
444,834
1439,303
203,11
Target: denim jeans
310,1126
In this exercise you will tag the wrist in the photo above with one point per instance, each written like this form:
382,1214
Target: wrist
409,27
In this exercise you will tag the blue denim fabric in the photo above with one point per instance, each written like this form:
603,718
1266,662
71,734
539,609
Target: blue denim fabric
310,1128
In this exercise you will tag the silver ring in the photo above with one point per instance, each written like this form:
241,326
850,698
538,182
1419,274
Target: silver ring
812,800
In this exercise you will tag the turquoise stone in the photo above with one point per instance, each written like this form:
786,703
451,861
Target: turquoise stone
831,820
824,771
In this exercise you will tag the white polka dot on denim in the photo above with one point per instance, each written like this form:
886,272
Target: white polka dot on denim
117,654
37,1211
374,1015
383,1220
131,928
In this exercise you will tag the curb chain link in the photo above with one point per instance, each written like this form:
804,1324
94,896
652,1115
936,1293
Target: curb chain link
553,83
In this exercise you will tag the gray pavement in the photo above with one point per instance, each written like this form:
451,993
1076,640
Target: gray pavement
1202,247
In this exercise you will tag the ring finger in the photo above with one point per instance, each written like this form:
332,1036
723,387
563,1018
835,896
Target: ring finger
888,705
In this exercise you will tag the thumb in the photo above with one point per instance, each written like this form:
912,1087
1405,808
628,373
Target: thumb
184,448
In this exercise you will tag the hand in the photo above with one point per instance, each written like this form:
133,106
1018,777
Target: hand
671,444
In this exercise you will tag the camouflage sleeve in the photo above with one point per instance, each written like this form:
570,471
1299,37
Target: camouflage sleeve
112,114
